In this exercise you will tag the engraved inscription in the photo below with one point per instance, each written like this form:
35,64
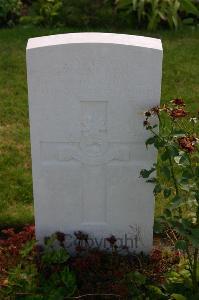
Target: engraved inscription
60,152
107,153
94,116
93,151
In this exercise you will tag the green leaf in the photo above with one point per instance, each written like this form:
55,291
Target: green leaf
181,245
152,180
157,189
188,21
139,278
151,140
181,159
187,174
49,240
159,226
177,159
176,202
146,173
176,225
124,4
179,132
159,143
27,248
178,297
167,193
55,256
165,155
189,7
184,159
167,213
186,187
173,151
186,224
197,171
194,237
166,171
197,195
155,291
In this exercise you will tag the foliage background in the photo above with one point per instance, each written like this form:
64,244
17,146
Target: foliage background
150,14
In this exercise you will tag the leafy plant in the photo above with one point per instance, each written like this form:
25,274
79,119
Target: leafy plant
154,13
48,12
48,272
11,244
74,13
87,13
177,142
42,273
9,12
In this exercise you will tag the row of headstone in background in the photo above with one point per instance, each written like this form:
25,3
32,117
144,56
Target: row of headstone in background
87,95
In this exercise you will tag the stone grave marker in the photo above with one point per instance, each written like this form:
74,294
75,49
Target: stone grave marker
87,96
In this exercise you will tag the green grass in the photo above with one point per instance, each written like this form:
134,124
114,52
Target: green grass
180,79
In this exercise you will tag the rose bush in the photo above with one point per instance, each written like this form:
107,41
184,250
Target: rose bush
178,175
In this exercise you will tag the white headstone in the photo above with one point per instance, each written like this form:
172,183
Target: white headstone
87,95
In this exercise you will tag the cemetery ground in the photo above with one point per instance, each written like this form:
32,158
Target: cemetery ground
92,271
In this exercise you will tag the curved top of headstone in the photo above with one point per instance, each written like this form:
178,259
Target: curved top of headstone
94,38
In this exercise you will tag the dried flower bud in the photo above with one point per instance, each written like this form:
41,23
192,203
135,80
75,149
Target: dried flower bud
112,240
146,123
187,143
155,110
81,236
60,236
164,107
178,101
147,113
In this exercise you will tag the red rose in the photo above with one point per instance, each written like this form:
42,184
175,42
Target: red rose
178,113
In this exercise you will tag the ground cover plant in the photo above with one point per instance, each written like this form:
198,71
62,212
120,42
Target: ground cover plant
49,272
